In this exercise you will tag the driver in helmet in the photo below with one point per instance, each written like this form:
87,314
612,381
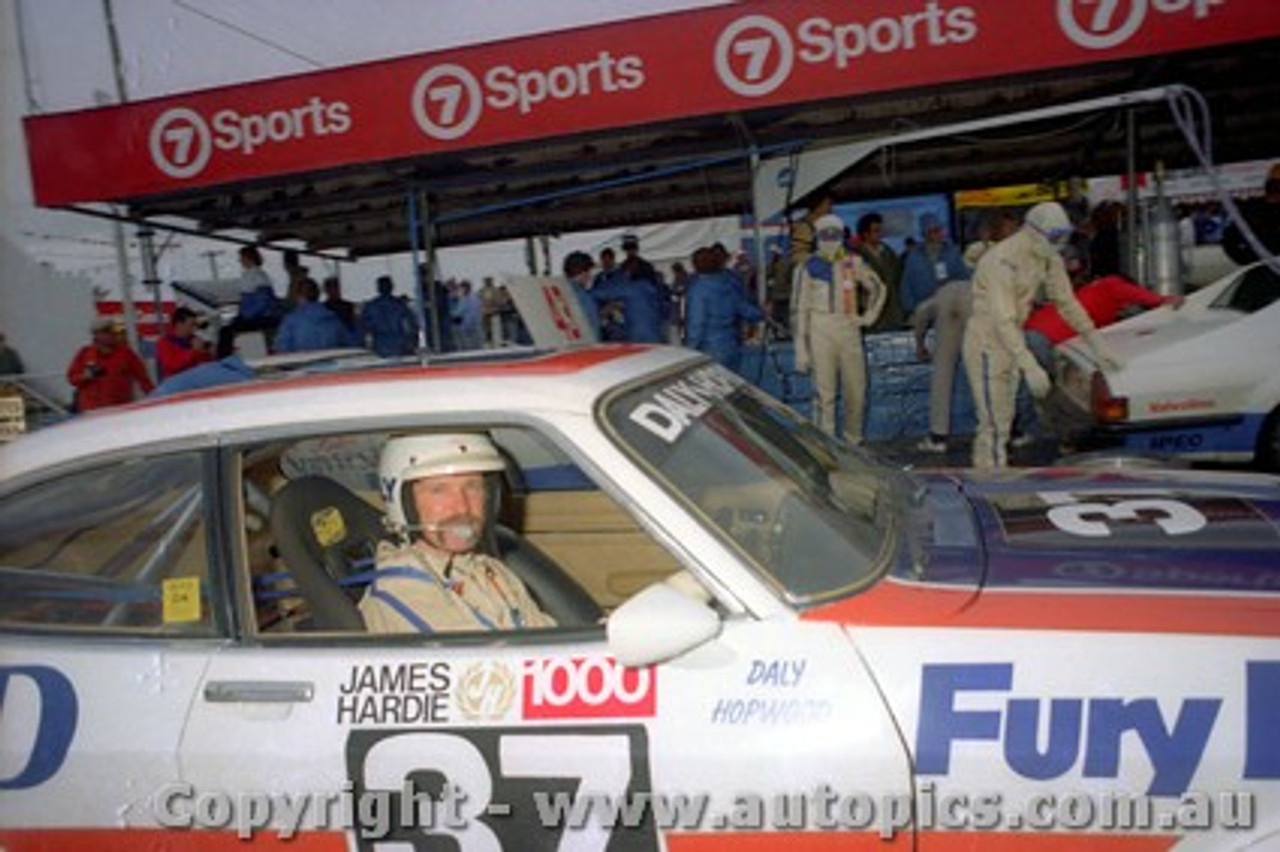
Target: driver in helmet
1010,278
441,492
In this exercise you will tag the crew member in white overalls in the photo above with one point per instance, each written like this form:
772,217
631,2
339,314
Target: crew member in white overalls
837,295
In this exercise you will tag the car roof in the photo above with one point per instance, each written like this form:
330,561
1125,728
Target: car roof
567,381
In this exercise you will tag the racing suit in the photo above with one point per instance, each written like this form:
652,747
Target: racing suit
836,297
417,588
947,310
1006,283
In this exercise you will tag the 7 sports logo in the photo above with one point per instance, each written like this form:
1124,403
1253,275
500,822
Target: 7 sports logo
182,141
1102,24
448,100
756,54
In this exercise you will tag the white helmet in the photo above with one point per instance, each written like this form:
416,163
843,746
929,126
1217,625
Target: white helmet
1051,221
412,457
828,235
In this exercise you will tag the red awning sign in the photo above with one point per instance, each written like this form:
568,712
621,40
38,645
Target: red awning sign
732,58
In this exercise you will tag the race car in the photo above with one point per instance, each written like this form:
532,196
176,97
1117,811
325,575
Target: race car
1199,382
764,637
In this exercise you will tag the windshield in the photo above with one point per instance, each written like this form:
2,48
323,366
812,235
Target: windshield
814,515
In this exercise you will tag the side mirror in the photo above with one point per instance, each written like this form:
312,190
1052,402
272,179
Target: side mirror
657,624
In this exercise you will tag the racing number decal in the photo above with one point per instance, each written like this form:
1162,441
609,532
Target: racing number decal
516,787
1090,519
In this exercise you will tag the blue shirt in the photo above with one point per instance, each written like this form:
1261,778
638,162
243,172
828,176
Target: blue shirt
716,304
312,326
227,371
642,307
390,325
921,277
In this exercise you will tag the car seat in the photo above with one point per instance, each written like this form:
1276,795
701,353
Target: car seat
322,530
556,592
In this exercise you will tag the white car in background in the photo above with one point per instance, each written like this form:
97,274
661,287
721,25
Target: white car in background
1200,382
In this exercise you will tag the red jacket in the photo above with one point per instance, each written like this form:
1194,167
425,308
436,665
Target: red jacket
1102,300
174,354
102,379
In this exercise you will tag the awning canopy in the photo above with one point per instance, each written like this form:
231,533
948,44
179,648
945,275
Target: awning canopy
657,119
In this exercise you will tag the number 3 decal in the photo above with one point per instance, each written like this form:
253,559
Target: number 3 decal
1090,519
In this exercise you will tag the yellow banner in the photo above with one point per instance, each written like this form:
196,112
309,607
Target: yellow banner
1012,196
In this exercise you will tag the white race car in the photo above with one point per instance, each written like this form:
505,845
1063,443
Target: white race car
765,637
1201,382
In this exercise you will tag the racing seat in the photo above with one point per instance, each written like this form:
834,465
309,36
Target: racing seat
321,530
556,592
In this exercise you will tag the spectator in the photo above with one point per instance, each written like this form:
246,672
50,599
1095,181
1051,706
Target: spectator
637,291
886,264
387,322
1104,240
106,372
1007,281
577,271
994,228
345,310
260,309
468,318
180,349
10,361
294,274
717,306
311,326
436,575
930,264
489,306
1262,216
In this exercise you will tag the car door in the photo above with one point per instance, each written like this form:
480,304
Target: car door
109,611
534,739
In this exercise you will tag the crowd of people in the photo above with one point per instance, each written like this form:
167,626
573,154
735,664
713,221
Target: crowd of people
995,308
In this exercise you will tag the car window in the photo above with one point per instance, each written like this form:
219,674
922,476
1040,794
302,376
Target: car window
1256,289
812,513
120,549
311,544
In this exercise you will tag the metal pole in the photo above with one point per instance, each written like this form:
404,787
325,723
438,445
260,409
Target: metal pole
757,232
415,239
429,260
122,255
1131,198
147,249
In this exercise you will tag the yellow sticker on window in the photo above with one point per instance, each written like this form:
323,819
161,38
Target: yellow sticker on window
328,526
181,599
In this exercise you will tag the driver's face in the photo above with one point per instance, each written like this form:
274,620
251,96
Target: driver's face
451,510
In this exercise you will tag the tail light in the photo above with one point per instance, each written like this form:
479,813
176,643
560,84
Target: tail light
1107,408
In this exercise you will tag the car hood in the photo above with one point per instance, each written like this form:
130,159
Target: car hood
1123,529
1081,549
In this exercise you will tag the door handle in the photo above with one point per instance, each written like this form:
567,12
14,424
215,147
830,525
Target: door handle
259,691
